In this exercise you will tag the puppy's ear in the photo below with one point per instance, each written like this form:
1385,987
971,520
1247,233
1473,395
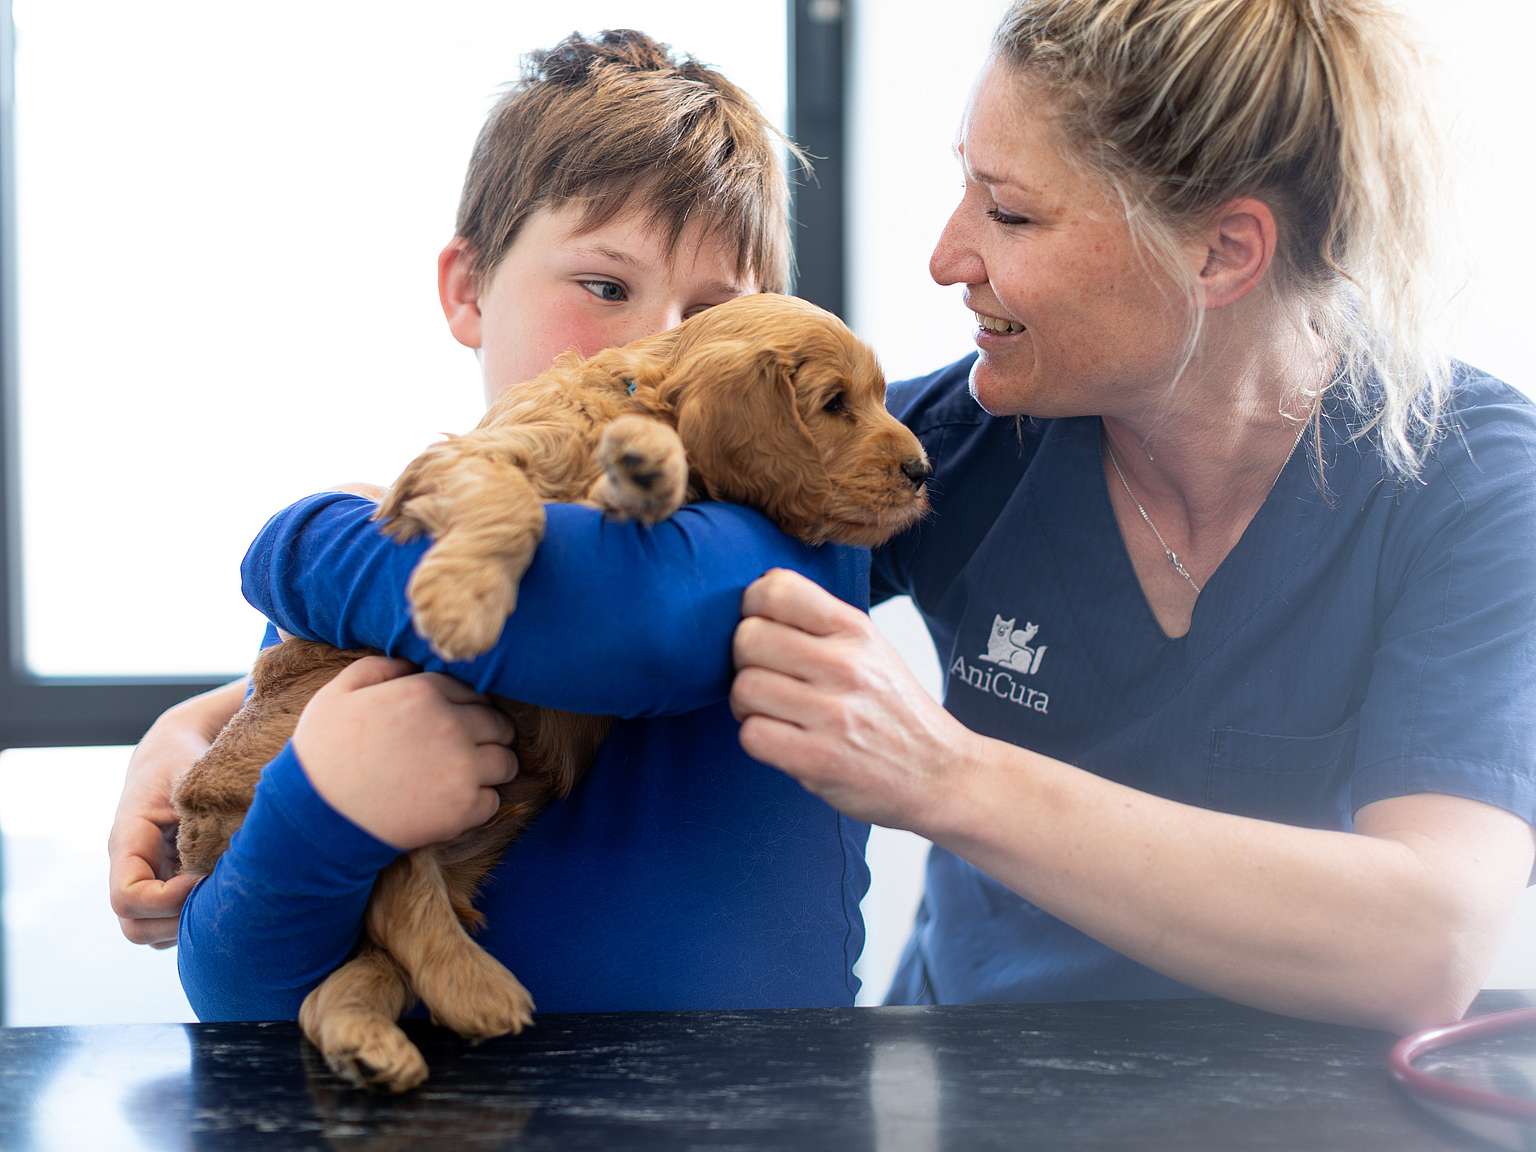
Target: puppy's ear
746,442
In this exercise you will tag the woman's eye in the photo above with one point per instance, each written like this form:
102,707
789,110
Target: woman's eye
608,290
837,405
1004,218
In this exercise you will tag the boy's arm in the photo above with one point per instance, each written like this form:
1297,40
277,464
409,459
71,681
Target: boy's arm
283,906
613,618
143,887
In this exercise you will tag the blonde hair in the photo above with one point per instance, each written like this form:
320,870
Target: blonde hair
1313,106
615,121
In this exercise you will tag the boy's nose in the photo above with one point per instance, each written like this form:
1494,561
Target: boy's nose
668,316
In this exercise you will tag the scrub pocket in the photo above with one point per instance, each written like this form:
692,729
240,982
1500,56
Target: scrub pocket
1302,780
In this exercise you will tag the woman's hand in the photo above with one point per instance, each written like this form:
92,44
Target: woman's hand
412,758
144,889
822,696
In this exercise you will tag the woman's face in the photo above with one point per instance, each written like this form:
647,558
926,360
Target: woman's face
1071,318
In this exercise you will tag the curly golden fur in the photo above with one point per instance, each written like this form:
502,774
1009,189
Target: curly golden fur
766,401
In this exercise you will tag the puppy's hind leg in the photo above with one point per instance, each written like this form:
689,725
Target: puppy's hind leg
411,914
351,1018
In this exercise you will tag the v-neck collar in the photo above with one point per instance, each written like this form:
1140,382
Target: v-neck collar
1100,582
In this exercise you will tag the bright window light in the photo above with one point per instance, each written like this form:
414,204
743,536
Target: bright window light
228,219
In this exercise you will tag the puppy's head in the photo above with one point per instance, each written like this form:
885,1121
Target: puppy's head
781,408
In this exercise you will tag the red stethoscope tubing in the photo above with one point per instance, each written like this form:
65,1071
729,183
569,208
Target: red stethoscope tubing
1442,1091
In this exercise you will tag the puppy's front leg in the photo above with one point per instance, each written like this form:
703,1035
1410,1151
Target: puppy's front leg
645,470
487,520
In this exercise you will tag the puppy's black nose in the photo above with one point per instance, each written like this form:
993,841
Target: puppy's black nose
916,470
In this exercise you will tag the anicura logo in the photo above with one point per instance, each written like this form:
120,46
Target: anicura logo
1016,656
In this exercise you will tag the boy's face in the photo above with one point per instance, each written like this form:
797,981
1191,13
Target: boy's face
558,289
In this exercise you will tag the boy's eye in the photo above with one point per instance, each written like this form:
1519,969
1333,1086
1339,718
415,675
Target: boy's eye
610,290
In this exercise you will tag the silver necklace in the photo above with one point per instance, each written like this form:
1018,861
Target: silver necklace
1173,557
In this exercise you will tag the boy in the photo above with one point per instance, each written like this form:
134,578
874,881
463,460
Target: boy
611,194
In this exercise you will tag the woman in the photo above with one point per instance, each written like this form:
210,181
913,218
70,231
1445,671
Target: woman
1239,627
1281,746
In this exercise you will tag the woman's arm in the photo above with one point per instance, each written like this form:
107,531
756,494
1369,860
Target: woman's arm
1392,926
613,618
143,887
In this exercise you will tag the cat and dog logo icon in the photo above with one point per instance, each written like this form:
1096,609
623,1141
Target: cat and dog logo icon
1010,647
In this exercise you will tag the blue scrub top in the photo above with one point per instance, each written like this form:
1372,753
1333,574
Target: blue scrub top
1365,639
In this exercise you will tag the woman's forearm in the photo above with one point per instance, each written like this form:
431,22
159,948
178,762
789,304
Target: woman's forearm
1335,926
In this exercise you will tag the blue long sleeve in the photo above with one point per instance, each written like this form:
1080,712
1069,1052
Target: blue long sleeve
283,906
613,618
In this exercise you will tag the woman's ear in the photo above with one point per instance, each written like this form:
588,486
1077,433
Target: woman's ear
458,292
1239,249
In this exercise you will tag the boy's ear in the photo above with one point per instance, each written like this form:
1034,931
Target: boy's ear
457,292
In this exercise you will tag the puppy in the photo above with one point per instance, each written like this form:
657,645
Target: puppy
766,401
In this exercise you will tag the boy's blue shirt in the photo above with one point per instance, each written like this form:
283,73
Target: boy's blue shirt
680,874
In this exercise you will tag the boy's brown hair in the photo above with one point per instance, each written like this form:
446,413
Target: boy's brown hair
614,121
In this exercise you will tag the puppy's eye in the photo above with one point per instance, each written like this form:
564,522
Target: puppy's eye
837,405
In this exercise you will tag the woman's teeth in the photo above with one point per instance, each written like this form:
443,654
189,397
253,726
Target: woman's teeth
992,324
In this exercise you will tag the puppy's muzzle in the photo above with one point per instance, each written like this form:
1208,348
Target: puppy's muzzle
916,470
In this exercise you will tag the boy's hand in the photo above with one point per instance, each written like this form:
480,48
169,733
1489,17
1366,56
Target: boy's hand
144,889
412,758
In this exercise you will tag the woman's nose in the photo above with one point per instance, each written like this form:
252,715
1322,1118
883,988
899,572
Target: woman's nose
955,259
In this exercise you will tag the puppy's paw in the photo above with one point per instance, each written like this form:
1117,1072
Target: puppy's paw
477,997
371,1052
460,606
645,470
